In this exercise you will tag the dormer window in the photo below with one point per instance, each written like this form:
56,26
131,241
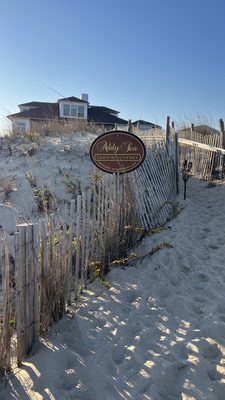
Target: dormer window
80,111
73,111
66,110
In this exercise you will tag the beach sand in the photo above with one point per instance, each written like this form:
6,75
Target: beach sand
158,333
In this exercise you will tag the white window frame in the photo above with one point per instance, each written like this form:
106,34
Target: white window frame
21,126
73,110
66,114
80,112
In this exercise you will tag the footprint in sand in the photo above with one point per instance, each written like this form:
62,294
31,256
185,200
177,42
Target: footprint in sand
118,354
67,380
213,247
220,309
222,318
200,280
199,299
196,309
131,296
211,351
214,375
203,277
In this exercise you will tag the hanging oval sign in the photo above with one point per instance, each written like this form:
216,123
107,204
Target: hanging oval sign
117,151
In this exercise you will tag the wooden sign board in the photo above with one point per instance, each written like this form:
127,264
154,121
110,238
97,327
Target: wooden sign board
117,151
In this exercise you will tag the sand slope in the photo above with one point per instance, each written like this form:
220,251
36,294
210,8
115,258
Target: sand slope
157,334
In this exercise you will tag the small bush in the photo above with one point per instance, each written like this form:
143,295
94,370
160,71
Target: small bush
6,187
34,136
72,187
44,198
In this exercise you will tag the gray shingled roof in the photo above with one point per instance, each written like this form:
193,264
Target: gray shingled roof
103,108
103,117
35,104
44,111
141,122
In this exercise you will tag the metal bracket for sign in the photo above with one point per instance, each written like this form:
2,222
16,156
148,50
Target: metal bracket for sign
186,173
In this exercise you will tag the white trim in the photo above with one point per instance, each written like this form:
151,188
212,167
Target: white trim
201,145
77,104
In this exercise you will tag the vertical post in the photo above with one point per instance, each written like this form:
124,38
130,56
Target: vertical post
20,267
70,251
177,162
83,237
6,309
167,132
29,289
87,237
44,269
223,144
129,126
36,280
78,232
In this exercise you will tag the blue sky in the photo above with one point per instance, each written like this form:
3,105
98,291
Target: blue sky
146,58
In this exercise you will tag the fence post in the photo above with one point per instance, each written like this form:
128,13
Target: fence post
87,252
78,232
223,144
5,364
70,251
36,279
20,265
129,126
167,133
27,288
177,161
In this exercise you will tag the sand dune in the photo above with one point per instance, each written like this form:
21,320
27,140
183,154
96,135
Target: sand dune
157,334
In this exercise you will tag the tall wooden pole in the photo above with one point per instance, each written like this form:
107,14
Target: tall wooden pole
223,144
167,132
129,126
177,161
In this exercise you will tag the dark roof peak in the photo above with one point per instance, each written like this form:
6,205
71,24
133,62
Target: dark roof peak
72,98
36,103
142,122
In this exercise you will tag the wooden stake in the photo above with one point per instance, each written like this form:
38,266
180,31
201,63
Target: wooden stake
167,131
177,162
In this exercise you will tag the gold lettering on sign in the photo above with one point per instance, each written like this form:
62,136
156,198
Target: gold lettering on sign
104,146
113,148
127,146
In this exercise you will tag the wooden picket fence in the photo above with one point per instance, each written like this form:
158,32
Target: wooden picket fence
55,258
156,185
203,151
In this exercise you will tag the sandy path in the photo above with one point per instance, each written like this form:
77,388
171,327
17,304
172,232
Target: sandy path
157,334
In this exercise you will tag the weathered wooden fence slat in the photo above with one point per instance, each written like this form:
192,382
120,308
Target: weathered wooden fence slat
202,146
5,343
